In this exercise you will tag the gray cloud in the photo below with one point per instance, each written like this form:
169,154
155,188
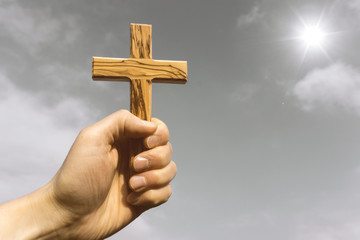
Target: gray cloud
68,111
355,4
47,52
36,141
253,16
35,28
335,86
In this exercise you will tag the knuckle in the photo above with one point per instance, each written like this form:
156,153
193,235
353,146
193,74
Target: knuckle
158,197
167,134
164,132
169,193
123,111
157,178
83,132
126,122
156,120
173,164
170,148
162,157
151,196
87,132
166,154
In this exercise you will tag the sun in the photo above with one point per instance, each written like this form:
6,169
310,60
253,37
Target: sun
313,36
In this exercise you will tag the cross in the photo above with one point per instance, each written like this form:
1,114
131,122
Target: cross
141,71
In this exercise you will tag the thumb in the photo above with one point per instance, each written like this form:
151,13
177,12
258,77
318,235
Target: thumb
124,124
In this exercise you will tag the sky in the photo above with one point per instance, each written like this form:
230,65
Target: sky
265,133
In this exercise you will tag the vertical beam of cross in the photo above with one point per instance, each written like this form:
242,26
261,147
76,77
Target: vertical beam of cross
140,89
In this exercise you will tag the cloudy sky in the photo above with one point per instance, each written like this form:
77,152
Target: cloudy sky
266,132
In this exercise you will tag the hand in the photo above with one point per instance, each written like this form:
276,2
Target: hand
91,196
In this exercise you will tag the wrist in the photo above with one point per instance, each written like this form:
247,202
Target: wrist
34,216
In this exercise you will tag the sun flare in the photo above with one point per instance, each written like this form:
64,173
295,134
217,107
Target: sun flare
313,36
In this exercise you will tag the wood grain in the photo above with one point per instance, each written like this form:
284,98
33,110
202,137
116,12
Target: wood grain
140,41
140,98
140,86
119,69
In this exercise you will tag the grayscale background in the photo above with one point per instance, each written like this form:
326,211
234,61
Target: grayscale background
265,135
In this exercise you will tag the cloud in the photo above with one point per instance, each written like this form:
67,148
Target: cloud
333,87
355,4
35,138
33,27
253,16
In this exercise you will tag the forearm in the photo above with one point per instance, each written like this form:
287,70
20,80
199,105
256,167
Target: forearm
34,216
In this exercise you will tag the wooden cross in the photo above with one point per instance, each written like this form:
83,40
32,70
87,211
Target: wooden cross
141,71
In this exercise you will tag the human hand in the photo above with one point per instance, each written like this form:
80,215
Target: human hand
93,184
91,196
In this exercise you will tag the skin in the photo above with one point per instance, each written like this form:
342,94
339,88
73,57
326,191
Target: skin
92,196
